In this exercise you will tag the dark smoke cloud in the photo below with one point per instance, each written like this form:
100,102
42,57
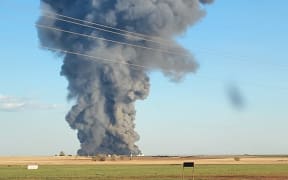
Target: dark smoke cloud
235,96
105,92
206,1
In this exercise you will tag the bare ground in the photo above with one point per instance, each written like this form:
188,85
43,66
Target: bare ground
77,160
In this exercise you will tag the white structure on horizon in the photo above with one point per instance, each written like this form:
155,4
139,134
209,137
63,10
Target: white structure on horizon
32,166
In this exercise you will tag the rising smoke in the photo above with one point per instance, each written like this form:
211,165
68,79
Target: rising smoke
236,96
206,1
105,92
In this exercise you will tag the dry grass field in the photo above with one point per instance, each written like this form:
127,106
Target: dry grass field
77,160
148,168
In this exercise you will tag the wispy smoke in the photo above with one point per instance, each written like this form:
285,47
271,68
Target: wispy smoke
105,92
206,1
235,96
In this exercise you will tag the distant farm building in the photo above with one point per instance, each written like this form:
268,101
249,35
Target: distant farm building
32,166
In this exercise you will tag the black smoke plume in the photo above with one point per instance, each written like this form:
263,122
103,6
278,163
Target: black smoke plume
206,1
235,96
105,92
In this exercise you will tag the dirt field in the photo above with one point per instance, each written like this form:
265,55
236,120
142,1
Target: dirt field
76,160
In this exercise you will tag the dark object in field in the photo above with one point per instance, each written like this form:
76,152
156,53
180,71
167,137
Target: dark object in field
188,164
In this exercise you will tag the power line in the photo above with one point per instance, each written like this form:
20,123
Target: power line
141,36
106,26
93,57
128,33
145,67
139,46
170,51
255,84
238,58
138,67
113,41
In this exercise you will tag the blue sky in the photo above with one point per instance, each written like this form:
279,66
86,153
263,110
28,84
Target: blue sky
243,43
